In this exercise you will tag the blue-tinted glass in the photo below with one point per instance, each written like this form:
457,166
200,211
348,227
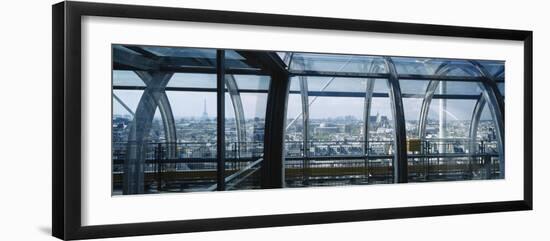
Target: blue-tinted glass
252,82
335,84
125,49
192,80
126,78
501,88
494,68
420,66
434,66
453,116
235,60
458,88
338,63
417,87
182,52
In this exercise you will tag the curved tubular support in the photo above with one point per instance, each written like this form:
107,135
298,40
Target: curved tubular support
400,165
367,103
236,101
305,122
304,95
428,96
305,109
165,109
474,123
366,114
443,69
496,106
153,97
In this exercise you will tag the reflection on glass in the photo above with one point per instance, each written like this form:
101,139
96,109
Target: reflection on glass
245,108
343,119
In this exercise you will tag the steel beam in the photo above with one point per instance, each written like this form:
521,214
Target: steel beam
495,102
272,168
139,131
237,103
400,164
166,113
428,96
366,112
305,123
474,122
220,100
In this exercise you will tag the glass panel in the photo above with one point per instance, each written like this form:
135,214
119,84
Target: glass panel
336,84
252,82
123,112
175,57
336,129
206,54
346,137
125,49
445,153
414,87
485,163
178,153
285,56
458,88
235,60
433,66
412,108
421,66
196,134
244,129
381,127
449,119
294,127
494,68
501,88
193,80
126,78
338,63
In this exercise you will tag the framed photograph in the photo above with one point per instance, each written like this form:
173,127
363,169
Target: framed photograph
169,120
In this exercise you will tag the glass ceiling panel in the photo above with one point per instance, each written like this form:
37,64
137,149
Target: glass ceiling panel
339,84
123,48
458,88
234,60
252,82
189,80
335,84
421,66
181,52
494,68
285,56
431,66
337,63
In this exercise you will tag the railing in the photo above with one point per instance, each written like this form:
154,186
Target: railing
191,166
176,167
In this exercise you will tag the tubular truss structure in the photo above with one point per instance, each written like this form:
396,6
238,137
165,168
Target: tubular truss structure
157,66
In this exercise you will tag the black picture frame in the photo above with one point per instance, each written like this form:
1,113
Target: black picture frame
66,141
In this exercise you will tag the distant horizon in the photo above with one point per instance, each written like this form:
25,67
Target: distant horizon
262,118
